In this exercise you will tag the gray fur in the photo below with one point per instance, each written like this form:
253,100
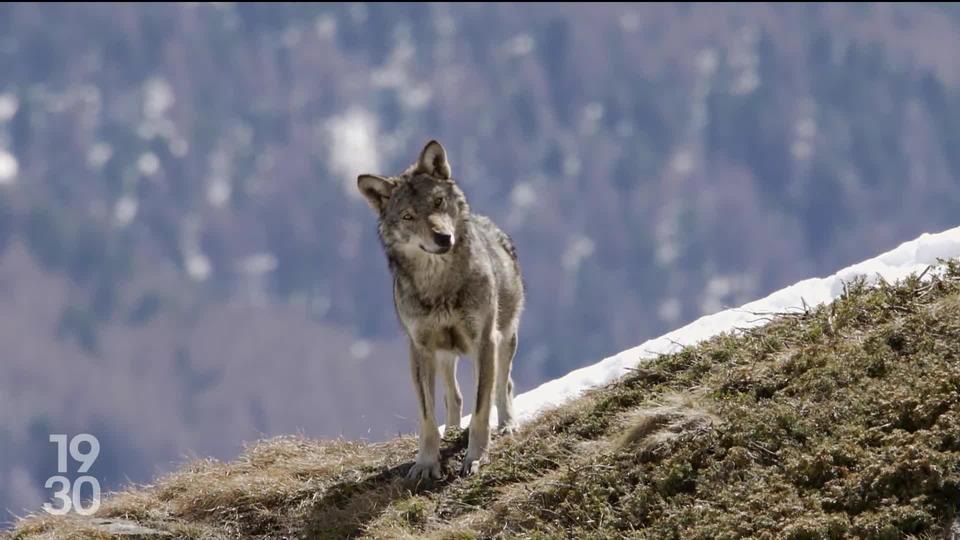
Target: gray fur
464,298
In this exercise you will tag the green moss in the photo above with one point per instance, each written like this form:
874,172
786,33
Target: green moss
413,512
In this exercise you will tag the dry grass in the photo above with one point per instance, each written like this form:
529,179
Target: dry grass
653,431
841,421
272,490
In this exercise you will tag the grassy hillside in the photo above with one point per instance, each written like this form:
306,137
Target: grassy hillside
837,421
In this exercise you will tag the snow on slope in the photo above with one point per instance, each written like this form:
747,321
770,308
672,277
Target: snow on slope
911,257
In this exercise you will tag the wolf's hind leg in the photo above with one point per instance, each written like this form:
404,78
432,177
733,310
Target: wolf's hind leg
504,385
447,364
486,367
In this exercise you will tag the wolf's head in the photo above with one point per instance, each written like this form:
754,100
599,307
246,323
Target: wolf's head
420,210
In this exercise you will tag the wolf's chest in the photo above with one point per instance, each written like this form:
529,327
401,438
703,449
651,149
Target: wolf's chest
444,338
434,332
435,323
431,312
421,301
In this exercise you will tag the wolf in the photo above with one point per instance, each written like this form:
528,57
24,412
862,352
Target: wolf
457,290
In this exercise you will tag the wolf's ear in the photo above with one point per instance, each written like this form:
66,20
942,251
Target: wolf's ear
376,189
433,161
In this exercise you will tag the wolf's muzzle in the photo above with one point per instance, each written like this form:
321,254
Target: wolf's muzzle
443,241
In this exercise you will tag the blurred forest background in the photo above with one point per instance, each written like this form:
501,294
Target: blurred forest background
185,263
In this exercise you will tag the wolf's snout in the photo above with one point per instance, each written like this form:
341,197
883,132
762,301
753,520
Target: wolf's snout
443,240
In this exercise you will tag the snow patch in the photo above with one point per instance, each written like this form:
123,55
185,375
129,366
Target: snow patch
353,147
158,98
148,164
8,107
8,168
125,210
99,155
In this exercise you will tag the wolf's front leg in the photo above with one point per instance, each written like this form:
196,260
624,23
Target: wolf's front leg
480,422
423,368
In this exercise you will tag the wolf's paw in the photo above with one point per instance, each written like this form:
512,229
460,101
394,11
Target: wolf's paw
424,471
470,466
507,429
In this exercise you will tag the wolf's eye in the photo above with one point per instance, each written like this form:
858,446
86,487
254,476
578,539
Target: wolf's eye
438,202
407,216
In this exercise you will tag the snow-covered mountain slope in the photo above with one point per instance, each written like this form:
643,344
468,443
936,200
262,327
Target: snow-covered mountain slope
910,257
